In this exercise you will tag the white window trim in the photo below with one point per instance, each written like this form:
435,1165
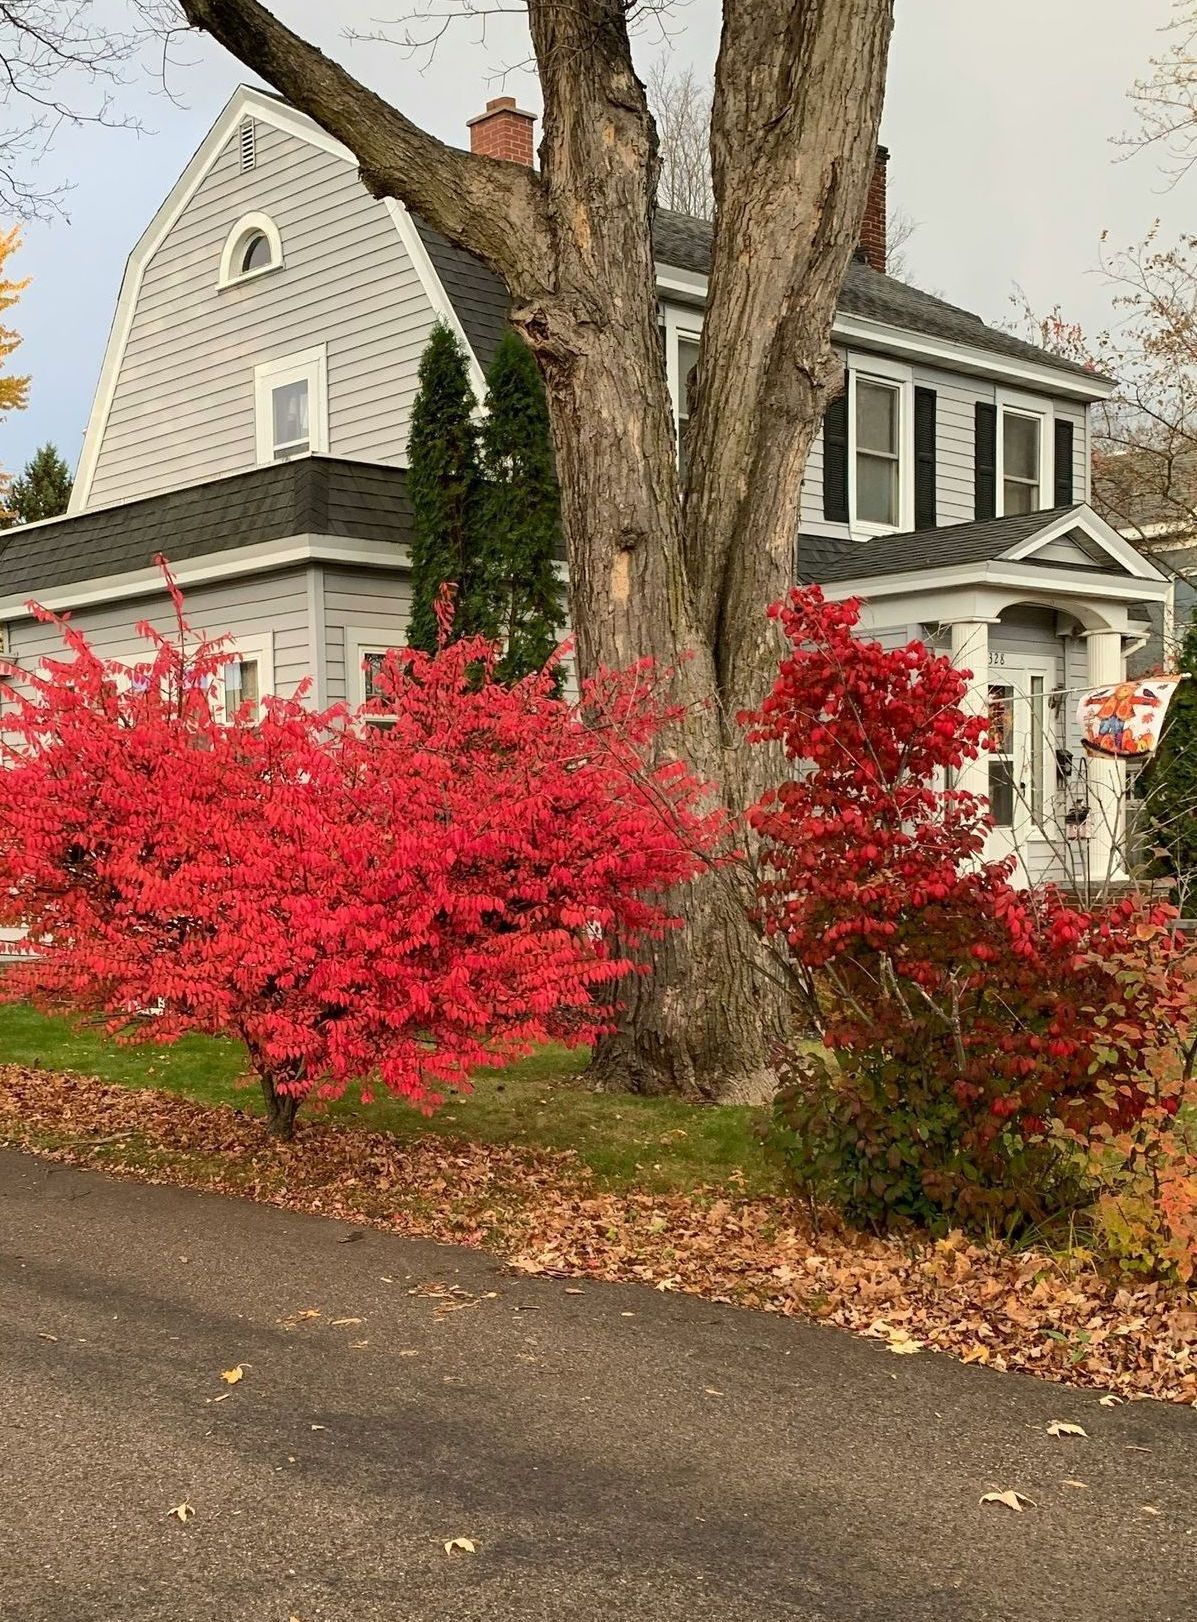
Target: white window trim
1025,405
680,324
260,648
308,365
877,369
359,641
249,225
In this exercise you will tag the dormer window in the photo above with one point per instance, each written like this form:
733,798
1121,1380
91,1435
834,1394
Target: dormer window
252,248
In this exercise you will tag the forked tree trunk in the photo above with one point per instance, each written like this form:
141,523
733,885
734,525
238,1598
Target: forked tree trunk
797,105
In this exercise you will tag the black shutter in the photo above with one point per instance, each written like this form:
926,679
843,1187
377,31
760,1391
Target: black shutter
985,464
924,458
1062,485
835,458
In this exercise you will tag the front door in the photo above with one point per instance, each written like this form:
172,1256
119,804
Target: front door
1021,728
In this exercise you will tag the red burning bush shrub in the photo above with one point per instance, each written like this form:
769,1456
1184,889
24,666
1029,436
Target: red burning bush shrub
404,897
970,1024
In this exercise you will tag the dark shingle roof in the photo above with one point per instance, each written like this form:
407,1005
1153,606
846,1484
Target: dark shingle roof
481,301
825,561
686,243
476,293
310,495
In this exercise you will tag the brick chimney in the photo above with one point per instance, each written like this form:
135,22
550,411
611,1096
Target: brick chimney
872,226
503,131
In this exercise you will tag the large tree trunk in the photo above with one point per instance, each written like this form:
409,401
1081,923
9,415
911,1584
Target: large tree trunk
797,105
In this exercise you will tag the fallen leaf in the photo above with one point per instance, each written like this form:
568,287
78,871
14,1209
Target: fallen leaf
319,1427
464,1544
1062,1427
899,1340
1149,1509
44,1336
233,1376
1070,1483
1011,1499
342,1323
1110,1400
181,1512
711,1391
357,1345
223,1397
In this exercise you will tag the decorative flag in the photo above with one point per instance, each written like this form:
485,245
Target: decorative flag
1125,720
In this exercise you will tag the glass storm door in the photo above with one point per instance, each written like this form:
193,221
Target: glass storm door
1019,721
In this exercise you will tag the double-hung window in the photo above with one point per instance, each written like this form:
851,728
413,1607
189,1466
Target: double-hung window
291,405
878,408
1021,462
880,448
1024,463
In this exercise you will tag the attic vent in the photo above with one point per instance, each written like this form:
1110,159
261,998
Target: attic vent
249,144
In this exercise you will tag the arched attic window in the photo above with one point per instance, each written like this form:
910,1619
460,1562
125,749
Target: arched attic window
251,248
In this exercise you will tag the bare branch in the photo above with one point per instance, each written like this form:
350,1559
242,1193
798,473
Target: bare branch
1167,96
59,65
681,105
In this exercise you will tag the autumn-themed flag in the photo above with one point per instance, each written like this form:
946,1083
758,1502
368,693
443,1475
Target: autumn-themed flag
1125,720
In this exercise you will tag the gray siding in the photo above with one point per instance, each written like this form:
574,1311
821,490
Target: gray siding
359,599
183,409
250,607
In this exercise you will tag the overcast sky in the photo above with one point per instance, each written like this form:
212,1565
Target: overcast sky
998,119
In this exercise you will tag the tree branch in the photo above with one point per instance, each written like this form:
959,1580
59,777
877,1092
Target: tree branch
495,210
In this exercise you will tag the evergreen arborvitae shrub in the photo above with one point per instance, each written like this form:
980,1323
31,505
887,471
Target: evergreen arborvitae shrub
444,483
41,491
522,513
1169,784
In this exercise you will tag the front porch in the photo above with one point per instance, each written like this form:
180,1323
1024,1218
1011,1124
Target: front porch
1039,609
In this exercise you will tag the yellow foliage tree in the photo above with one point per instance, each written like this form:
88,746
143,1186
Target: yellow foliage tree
14,391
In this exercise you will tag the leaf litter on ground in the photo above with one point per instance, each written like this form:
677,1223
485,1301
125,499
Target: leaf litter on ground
546,1216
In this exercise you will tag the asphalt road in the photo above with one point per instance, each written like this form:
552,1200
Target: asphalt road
610,1451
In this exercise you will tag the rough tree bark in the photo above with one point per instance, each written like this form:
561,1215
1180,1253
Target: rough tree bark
682,577
281,1105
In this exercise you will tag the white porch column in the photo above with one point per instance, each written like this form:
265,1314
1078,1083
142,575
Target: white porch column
970,651
1106,778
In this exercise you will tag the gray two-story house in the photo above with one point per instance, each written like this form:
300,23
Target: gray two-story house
252,414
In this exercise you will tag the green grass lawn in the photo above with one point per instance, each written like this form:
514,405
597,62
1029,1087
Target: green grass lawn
651,1143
